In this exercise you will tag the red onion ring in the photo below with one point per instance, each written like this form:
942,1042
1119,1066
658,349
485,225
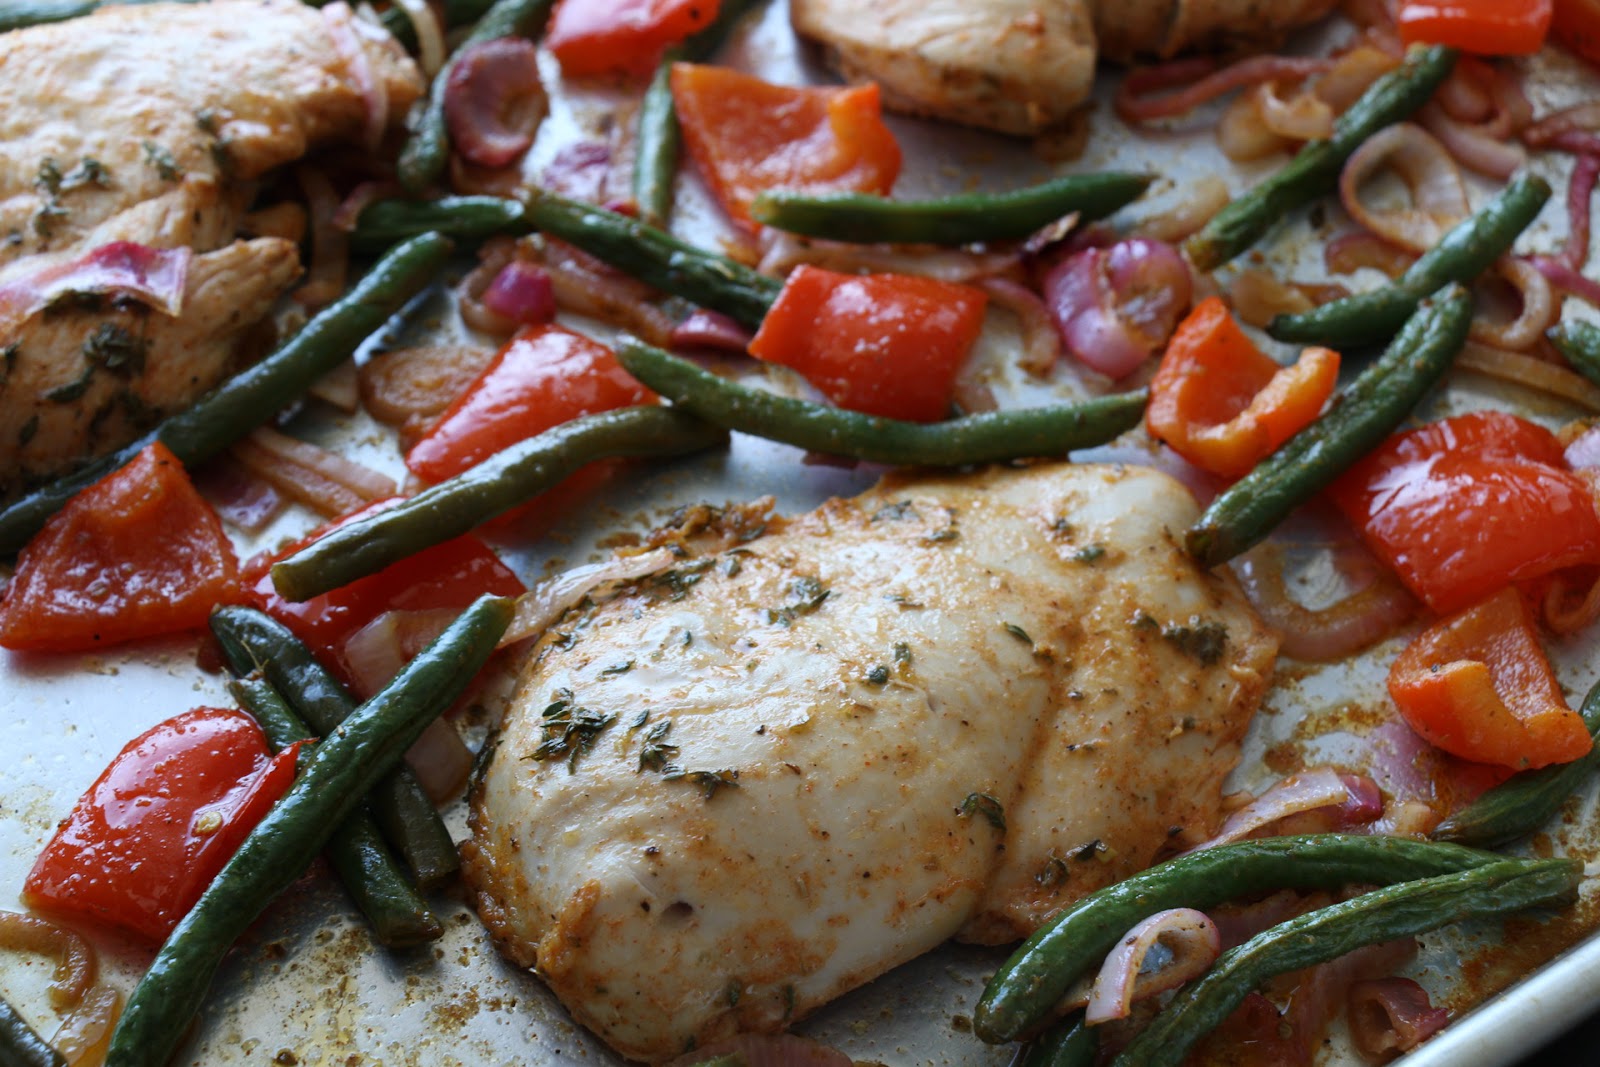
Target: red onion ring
238,497
1391,1015
1570,128
83,1036
1530,372
360,198
1580,194
1041,343
1301,117
330,246
1172,222
1473,145
1352,251
1353,73
374,654
1189,935
706,330
1438,195
1115,306
494,101
1562,275
1537,309
1336,632
523,293
782,252
324,481
1342,800
1148,93
75,962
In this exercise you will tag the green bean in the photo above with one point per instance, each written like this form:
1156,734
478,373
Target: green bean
1069,1043
1025,990
1468,250
1318,936
427,150
397,913
655,159
951,220
496,485
1579,342
1314,171
1524,802
470,219
244,402
20,1046
254,641
657,257
330,785
1361,416
983,438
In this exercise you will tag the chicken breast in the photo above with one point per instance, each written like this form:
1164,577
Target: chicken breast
1009,65
730,792
1018,66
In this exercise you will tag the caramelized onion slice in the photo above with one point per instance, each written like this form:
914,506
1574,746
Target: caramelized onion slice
75,965
1189,942
322,480
1530,372
1341,801
541,606
1328,634
1438,194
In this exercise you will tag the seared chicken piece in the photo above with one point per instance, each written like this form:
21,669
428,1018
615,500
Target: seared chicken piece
148,125
1020,66
1010,65
101,113
732,791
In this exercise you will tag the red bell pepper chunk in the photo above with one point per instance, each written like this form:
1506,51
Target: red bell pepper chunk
883,344
1486,27
747,136
1576,24
151,833
137,554
543,377
626,37
1463,507
450,575
1478,686
1221,404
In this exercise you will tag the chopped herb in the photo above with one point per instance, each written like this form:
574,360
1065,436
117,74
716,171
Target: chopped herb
902,600
947,534
117,349
29,428
733,991
985,805
67,392
879,675
902,652
1061,527
222,156
688,638
570,730
49,178
158,157
640,719
732,566
1019,633
44,219
1089,554
618,668
708,781
1145,621
1053,873
897,512
808,595
87,172
1204,639
206,119
8,356
676,583
1084,853
657,754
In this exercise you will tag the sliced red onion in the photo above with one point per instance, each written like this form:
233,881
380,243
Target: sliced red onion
1349,252
1584,451
523,293
704,329
157,277
579,171
374,654
1537,309
1329,634
1041,344
494,101
1392,1015
1324,990
321,480
441,760
1115,306
1301,117
1191,943
1569,129
1174,220
348,213
1353,74
541,606
1564,277
1238,923
239,498
781,252
1340,801
1580,194
1475,146
1438,195
1149,93
1242,132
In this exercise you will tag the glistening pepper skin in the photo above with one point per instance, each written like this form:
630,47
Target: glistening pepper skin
330,786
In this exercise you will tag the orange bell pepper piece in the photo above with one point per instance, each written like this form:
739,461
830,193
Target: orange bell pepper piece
1485,27
883,344
1576,24
626,37
1478,685
137,554
1221,404
747,136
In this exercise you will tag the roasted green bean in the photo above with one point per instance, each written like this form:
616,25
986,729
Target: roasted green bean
1361,416
254,641
496,485
1314,171
1069,1043
1579,342
470,219
1524,802
1025,990
951,220
330,785
423,159
1328,933
246,401
984,438
398,915
1461,255
20,1046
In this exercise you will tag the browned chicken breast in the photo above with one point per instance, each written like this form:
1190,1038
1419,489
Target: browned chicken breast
730,792
1019,66
148,125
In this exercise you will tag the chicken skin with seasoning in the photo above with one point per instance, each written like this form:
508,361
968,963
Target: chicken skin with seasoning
727,793
144,130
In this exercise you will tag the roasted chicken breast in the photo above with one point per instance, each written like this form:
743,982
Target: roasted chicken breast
730,792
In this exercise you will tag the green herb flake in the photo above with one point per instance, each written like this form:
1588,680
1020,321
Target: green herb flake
732,566
1204,639
67,392
1089,554
569,730
896,512
656,754
879,675
158,157
8,360
938,536
1019,633
29,428
1085,853
639,719
617,668
206,119
708,781
1146,621
902,653
1054,873
905,603
49,177
807,596
88,172
116,349
675,584
985,805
